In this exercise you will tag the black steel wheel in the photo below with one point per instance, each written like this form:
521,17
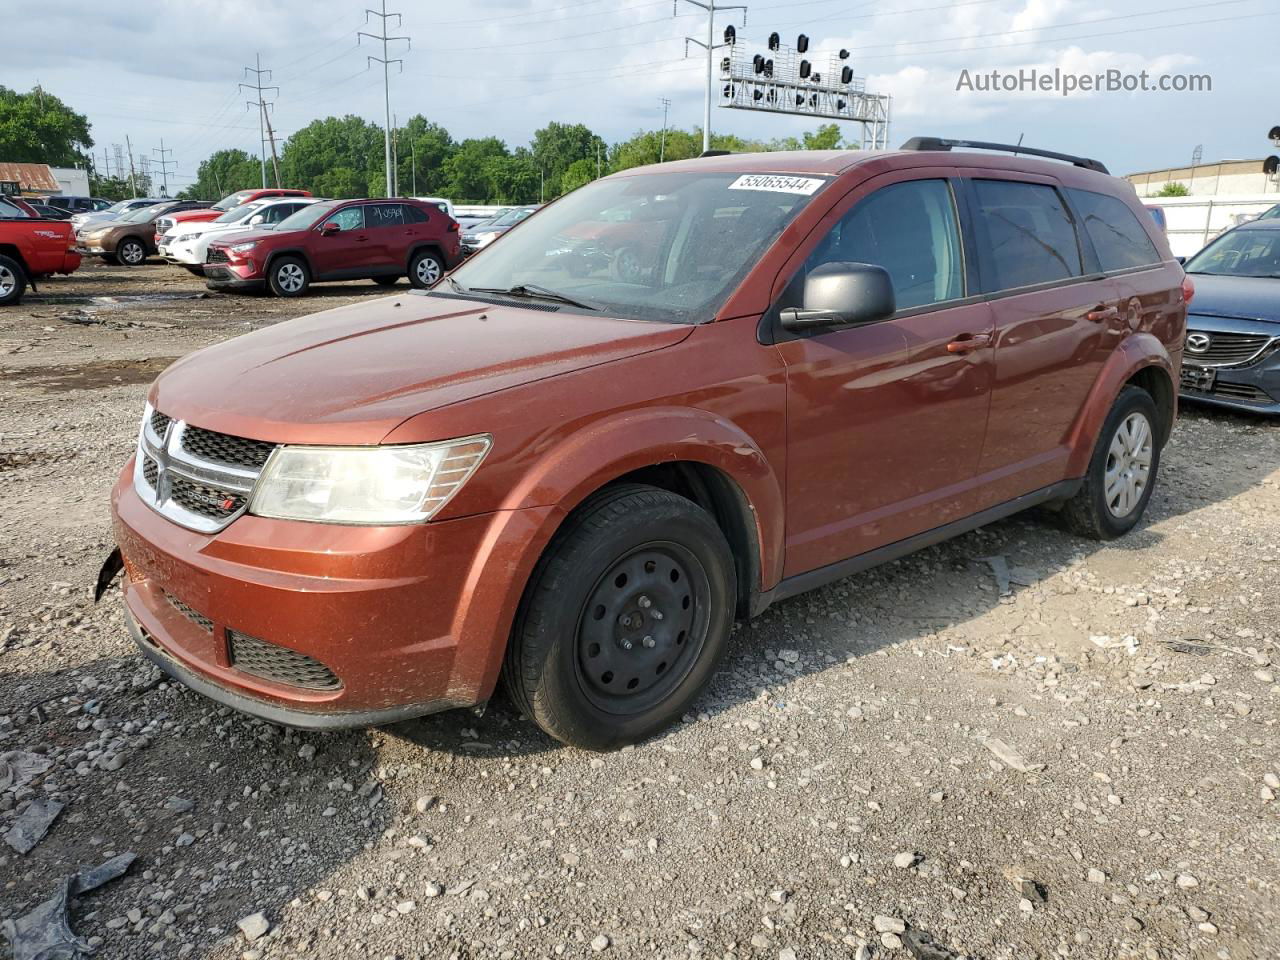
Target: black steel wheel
624,619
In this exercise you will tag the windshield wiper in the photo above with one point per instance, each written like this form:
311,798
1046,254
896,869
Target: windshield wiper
531,291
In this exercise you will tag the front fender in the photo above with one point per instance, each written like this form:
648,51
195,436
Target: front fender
1133,354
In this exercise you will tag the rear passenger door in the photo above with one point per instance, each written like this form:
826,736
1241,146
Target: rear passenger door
388,234
1055,315
885,422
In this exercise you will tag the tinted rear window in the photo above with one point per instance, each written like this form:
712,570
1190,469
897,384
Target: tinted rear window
1117,235
1030,236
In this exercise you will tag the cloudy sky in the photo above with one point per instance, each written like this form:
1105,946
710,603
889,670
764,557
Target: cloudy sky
169,70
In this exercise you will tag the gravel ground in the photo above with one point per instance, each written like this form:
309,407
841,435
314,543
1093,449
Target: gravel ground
908,763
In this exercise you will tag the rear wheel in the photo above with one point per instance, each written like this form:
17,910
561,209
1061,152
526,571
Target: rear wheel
13,281
1122,471
288,277
624,619
425,269
131,252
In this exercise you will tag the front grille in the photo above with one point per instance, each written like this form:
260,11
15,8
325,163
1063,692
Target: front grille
204,500
216,255
159,423
150,471
279,664
1242,391
1226,348
224,448
199,619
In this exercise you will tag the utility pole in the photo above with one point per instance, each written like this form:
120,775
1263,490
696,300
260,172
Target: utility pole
133,178
261,104
275,160
597,158
710,46
413,165
662,144
386,62
395,156
164,164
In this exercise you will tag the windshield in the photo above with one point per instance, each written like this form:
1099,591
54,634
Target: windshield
510,218
239,213
1240,253
234,200
657,246
308,216
143,213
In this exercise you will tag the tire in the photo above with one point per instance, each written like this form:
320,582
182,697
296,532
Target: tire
288,277
1127,451
624,620
13,281
386,281
131,251
425,269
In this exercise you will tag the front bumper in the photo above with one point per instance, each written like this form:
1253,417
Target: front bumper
1253,385
221,276
406,620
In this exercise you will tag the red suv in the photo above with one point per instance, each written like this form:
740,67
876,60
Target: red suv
575,477
379,240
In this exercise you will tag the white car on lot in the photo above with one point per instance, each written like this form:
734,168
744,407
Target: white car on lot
187,244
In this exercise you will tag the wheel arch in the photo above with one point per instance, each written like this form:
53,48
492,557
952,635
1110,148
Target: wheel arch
11,251
1157,382
298,252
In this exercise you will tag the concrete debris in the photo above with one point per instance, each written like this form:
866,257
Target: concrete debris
1009,756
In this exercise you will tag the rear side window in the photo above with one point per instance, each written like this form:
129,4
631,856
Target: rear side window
414,214
385,215
1117,235
911,230
1030,236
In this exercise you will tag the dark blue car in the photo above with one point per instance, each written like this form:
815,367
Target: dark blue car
1232,352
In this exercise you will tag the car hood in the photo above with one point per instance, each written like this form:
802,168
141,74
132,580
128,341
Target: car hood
353,374
253,234
1249,298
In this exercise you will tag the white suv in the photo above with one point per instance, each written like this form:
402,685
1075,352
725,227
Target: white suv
187,244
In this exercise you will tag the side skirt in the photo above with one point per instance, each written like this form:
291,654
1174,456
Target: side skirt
812,579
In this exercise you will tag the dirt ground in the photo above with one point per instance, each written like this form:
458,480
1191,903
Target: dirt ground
907,763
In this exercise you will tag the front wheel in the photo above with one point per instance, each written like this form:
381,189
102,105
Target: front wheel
131,252
13,281
1122,471
624,619
425,269
288,277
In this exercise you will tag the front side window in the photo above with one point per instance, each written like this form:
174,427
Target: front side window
349,218
1242,252
1117,235
650,246
1030,235
911,230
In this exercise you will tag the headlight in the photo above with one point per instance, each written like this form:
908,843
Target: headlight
244,247
484,239
369,485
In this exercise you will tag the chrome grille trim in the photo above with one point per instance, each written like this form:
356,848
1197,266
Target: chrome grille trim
1226,348
161,457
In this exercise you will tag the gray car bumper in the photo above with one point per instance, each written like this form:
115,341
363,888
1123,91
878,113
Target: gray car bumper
1250,377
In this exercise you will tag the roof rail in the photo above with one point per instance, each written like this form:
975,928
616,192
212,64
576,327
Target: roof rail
715,153
937,143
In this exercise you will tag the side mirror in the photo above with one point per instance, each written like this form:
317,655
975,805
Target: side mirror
330,228
256,219
1181,260
842,294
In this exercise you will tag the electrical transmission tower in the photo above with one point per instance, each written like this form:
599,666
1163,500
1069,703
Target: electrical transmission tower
662,144
710,46
263,123
386,62
164,164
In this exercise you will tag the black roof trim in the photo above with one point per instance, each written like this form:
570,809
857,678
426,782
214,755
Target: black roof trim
938,143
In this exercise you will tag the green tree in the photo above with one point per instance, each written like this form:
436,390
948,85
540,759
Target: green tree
335,157
224,172
37,127
558,146
474,173
581,171
110,188
826,137
428,145
1173,190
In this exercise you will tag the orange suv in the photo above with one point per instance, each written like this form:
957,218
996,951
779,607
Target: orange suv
574,477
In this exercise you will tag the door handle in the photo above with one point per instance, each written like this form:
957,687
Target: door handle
967,342
1101,314
361,239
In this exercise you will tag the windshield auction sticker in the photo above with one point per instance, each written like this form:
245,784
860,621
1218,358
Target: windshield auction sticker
805,186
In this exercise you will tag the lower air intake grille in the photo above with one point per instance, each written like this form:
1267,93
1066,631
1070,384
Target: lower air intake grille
1241,391
199,619
278,664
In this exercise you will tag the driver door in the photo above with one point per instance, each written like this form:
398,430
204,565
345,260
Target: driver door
886,421
347,252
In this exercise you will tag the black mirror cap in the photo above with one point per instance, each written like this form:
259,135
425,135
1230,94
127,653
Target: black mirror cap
843,294
1181,260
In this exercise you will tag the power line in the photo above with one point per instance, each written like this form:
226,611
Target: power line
386,62
164,164
710,47
261,103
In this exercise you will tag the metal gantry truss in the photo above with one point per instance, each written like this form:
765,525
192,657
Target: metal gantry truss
781,89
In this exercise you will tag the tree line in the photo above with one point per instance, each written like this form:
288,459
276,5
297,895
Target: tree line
343,157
